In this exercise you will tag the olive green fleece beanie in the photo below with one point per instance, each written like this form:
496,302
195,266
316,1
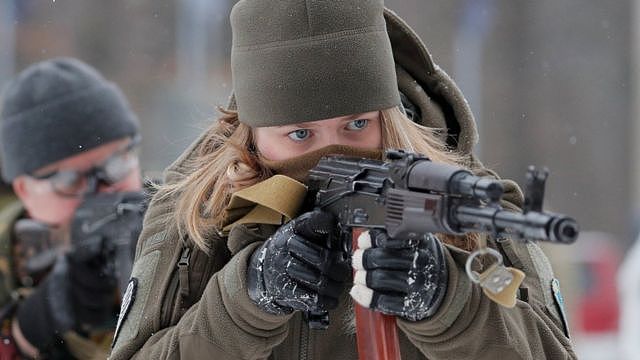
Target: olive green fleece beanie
304,60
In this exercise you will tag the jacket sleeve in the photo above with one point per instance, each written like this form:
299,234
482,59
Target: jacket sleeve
470,325
224,323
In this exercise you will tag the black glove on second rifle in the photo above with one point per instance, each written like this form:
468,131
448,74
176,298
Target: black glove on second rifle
297,268
398,276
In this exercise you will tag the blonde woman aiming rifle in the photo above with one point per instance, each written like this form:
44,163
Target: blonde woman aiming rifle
313,78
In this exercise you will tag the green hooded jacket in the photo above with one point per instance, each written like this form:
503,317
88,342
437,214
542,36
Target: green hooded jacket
188,304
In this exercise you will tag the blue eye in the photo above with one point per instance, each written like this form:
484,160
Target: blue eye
358,124
299,135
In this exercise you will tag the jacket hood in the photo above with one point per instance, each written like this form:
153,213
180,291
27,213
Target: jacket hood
429,94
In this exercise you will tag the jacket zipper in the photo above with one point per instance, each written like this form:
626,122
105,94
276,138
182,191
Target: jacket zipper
179,281
183,272
304,339
167,306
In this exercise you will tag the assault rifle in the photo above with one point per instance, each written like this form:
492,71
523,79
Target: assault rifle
104,230
409,195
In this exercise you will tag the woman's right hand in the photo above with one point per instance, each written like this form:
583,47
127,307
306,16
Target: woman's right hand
297,268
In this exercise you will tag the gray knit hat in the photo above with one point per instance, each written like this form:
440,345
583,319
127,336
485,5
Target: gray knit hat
56,109
303,60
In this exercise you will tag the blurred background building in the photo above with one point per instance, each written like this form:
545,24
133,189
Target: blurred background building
552,83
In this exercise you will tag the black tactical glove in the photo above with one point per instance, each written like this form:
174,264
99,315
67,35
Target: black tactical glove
299,267
80,291
402,277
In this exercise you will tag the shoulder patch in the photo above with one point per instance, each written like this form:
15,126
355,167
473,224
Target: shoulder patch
155,239
144,270
127,300
559,299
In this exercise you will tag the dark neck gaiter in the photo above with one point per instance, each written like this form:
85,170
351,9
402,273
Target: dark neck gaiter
298,167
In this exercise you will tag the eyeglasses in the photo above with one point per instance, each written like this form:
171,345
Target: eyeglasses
73,183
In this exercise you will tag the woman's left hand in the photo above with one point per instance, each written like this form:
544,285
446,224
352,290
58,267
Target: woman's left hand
402,277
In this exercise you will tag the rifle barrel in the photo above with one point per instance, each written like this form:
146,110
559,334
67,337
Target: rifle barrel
534,225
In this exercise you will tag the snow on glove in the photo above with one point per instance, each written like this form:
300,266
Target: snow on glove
298,268
402,277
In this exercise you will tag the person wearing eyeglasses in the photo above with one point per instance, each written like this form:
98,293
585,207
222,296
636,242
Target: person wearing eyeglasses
68,142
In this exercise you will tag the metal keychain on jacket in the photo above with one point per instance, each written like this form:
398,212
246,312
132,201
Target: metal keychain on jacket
499,283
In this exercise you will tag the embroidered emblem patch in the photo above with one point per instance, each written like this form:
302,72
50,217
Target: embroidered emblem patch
127,301
557,295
